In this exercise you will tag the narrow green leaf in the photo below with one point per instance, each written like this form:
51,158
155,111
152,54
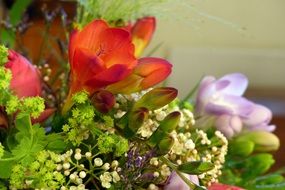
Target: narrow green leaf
17,10
196,167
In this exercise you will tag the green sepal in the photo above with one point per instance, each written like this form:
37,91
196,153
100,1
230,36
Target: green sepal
164,146
157,98
241,147
170,122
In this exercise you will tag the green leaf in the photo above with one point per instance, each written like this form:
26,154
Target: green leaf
196,167
30,140
269,179
55,143
17,10
165,145
6,165
260,162
277,186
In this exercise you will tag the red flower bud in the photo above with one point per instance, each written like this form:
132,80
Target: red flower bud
103,101
25,77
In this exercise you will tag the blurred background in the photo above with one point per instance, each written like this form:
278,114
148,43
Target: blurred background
206,37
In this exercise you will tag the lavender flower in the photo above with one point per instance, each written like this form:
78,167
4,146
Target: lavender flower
222,100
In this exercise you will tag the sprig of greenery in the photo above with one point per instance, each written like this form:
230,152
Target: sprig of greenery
26,143
116,10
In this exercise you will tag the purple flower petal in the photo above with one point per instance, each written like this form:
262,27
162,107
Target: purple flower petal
263,127
260,115
228,125
206,89
229,104
234,84
175,182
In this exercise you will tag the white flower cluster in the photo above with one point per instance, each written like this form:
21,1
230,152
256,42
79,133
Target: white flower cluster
77,172
215,155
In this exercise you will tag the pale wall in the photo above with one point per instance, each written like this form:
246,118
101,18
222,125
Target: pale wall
264,23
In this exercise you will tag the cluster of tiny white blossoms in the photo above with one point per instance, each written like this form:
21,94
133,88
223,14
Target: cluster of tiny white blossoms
73,167
215,155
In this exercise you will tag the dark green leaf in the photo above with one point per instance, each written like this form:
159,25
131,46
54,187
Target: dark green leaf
17,10
196,167
55,143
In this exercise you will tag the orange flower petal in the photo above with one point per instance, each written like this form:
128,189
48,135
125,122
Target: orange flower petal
149,72
116,48
86,64
142,33
154,70
108,76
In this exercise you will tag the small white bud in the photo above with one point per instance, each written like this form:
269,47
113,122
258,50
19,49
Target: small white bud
66,165
98,162
114,164
58,167
82,174
72,177
77,156
88,154
66,172
106,166
155,174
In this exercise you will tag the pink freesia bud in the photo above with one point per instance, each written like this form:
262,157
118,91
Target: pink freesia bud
25,77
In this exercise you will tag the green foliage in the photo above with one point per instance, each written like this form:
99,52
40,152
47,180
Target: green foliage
33,106
5,78
81,119
108,143
163,131
17,10
8,36
40,173
157,98
196,167
116,11
248,172
28,141
3,55
80,97
241,147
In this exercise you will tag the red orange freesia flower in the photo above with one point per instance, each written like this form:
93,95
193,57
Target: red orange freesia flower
25,77
104,57
142,32
99,56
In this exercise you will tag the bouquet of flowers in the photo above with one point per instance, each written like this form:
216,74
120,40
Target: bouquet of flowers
110,125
